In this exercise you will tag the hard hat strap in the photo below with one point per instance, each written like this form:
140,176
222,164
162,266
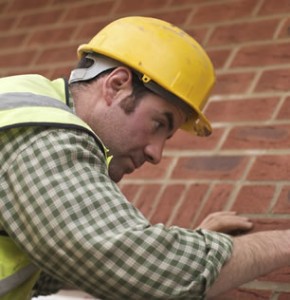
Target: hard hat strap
100,65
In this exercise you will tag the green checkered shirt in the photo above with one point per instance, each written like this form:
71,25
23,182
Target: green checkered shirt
59,204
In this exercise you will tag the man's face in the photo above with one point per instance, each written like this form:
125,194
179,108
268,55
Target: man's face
140,136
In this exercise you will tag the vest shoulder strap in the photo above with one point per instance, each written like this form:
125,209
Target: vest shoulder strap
42,104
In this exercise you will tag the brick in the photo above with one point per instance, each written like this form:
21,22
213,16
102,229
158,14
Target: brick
284,113
283,203
278,276
183,140
58,72
253,199
213,167
272,7
89,29
7,23
284,296
20,5
12,41
270,167
190,205
226,10
259,137
219,57
146,201
47,17
274,80
265,224
233,83
241,110
14,60
167,203
243,32
199,34
3,7
284,31
49,37
65,2
262,55
128,6
130,191
245,294
176,17
174,3
216,201
21,71
149,171
57,54
30,70
86,11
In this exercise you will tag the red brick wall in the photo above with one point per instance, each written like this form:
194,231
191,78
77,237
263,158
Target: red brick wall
245,164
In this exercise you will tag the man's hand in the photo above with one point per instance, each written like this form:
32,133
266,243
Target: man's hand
226,222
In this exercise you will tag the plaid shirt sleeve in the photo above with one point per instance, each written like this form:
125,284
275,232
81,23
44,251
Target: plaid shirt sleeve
60,206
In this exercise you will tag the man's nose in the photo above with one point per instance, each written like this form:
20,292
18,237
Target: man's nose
153,152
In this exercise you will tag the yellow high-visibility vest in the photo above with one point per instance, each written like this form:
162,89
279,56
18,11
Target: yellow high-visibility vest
31,100
17,274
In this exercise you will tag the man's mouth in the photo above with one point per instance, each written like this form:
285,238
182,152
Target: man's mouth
136,164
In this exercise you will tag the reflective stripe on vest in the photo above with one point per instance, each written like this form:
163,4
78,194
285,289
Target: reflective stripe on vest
11,282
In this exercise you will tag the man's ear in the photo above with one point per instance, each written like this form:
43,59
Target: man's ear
117,85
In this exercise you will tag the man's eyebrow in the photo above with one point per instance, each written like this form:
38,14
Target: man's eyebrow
169,117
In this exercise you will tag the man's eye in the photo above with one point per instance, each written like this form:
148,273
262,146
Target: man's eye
159,125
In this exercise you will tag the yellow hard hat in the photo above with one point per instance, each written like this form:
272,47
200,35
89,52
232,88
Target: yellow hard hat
164,55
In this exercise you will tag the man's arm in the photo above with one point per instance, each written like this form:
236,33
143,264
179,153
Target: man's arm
60,207
253,255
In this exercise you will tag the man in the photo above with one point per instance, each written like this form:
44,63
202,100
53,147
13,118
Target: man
64,148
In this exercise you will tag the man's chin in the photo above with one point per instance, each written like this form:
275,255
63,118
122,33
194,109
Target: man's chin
115,176
117,172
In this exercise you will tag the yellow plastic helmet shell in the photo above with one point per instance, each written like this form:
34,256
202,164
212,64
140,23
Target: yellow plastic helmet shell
164,54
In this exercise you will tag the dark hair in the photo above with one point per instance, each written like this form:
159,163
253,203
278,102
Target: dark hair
138,88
